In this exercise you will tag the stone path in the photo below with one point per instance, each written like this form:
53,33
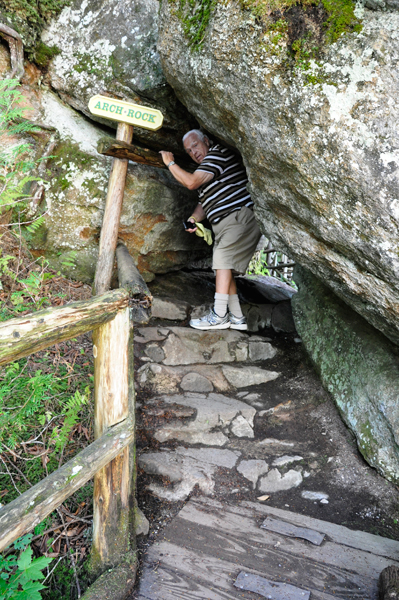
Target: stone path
239,417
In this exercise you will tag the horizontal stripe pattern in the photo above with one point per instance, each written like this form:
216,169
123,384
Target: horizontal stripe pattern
227,191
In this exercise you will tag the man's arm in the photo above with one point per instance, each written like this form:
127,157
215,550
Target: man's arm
192,181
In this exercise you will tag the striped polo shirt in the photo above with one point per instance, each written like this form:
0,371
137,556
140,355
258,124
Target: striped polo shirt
227,191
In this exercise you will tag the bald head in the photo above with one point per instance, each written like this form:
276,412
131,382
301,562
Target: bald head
196,144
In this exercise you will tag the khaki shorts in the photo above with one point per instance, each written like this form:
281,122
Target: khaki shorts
236,238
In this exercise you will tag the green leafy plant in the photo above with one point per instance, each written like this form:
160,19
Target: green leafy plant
195,16
71,410
20,576
16,155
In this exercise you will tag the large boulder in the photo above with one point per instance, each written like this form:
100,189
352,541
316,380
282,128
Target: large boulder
357,365
320,143
110,48
154,205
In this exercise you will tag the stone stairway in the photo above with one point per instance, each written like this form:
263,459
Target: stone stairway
239,417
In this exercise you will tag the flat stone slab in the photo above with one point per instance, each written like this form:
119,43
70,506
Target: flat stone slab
185,346
167,380
270,589
252,470
186,468
286,460
213,410
315,537
244,377
314,495
275,482
169,309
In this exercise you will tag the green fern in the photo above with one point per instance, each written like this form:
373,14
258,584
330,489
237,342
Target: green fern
71,409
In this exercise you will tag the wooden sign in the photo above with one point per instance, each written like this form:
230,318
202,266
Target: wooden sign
118,110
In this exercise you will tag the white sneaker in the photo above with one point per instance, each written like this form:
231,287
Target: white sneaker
211,321
238,322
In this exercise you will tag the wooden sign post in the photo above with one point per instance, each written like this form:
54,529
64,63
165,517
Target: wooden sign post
128,114
113,352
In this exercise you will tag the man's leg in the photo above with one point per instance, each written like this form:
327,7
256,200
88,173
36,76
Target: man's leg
224,282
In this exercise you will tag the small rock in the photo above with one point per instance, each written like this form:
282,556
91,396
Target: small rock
323,501
150,334
252,470
274,442
285,460
241,428
261,351
263,498
192,382
141,523
252,396
275,482
314,495
242,394
155,353
238,377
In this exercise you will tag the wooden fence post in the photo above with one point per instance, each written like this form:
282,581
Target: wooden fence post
113,207
112,511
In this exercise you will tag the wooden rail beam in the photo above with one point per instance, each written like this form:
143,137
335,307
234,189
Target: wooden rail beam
27,511
34,332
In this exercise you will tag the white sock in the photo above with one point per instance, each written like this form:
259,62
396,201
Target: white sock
234,306
220,306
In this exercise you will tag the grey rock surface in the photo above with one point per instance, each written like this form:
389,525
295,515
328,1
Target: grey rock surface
322,159
111,49
170,309
213,411
185,346
314,495
241,428
243,377
252,470
76,187
286,460
186,468
357,365
275,482
193,382
282,319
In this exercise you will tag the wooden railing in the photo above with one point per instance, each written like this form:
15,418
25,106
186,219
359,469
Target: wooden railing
108,458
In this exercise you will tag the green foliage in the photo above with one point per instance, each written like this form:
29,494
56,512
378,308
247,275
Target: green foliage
195,16
16,156
71,410
20,576
341,19
29,18
42,54
30,396
38,414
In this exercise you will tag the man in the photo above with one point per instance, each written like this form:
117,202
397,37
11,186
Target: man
224,200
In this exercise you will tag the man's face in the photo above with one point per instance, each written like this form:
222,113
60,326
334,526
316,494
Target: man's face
196,148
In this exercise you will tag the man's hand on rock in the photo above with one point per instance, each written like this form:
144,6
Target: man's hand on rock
167,157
